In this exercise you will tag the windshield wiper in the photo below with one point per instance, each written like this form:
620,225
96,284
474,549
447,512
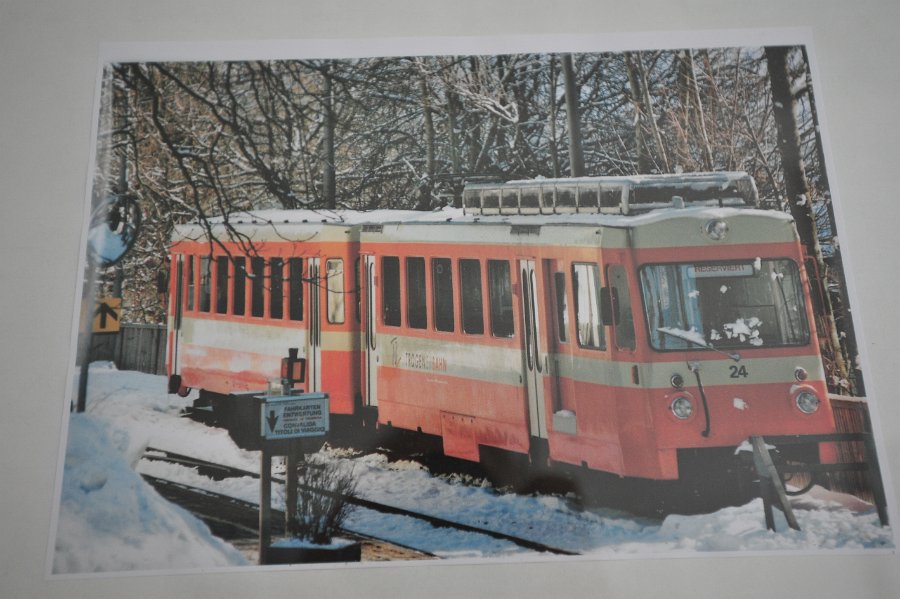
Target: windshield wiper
684,336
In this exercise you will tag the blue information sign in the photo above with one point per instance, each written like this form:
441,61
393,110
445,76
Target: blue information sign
292,416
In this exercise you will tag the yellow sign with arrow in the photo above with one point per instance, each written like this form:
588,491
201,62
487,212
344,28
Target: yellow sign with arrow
106,315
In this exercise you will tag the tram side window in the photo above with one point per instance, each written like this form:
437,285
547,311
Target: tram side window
472,305
295,290
586,285
205,267
390,290
562,306
239,286
624,328
190,282
442,283
257,283
500,298
222,284
416,310
276,288
334,275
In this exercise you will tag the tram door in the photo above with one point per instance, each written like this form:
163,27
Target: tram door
535,352
178,309
314,333
371,341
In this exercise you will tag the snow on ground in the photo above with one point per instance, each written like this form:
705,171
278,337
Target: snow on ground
110,520
106,506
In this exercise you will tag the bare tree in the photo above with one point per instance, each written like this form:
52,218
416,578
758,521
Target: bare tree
796,187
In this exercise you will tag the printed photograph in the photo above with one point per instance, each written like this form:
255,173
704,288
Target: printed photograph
480,307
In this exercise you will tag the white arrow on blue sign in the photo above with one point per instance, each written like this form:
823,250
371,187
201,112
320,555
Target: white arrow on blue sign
292,416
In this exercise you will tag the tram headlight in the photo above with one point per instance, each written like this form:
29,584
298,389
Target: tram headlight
682,407
807,402
716,229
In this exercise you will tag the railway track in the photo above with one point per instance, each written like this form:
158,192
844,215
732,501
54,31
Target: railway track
233,518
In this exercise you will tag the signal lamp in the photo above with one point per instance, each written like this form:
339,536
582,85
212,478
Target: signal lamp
677,381
716,229
800,373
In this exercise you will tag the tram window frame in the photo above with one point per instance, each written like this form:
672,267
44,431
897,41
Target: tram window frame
490,199
509,199
593,337
357,273
295,289
471,299
416,293
472,198
334,291
566,197
500,299
623,329
548,199
442,294
239,286
610,197
588,198
530,198
204,301
276,288
257,287
190,288
562,306
221,284
391,310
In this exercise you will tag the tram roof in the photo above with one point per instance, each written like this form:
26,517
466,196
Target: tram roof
617,201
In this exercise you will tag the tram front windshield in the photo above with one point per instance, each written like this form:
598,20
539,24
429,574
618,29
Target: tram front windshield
758,303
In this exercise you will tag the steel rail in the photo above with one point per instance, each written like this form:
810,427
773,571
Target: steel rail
436,521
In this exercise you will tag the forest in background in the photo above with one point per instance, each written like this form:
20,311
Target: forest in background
197,140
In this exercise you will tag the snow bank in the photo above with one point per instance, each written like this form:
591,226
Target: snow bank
111,520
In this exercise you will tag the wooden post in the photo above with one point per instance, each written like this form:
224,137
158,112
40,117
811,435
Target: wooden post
265,505
765,489
875,480
770,482
290,509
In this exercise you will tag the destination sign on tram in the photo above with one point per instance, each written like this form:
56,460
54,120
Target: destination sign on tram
703,271
293,416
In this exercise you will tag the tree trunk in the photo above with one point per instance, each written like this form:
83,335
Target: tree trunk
451,132
576,154
796,187
427,184
698,106
644,162
329,195
554,154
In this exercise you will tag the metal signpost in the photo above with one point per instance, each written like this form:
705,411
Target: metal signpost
287,422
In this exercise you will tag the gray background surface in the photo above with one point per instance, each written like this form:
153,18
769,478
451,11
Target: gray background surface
48,61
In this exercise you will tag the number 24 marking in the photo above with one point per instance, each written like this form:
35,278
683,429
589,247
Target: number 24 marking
738,371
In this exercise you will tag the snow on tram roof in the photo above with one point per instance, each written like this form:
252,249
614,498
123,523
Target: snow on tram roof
458,216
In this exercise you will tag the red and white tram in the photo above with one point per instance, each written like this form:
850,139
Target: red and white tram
638,326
